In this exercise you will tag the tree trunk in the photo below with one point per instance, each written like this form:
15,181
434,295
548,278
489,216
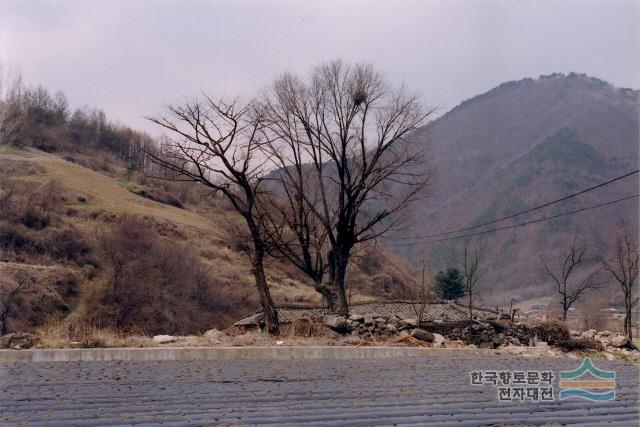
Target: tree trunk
325,289
269,313
338,261
343,303
565,309
3,325
627,317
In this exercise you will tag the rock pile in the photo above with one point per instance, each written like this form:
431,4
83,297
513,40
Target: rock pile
606,338
369,325
492,334
488,334
18,340
484,335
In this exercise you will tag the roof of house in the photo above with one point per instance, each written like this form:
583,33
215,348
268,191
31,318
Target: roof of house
441,311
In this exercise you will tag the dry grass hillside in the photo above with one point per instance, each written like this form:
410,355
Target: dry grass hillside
93,248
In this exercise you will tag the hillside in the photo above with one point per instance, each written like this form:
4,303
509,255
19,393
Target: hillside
81,212
67,230
517,146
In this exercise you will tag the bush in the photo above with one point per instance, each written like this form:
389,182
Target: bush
67,244
45,293
57,294
35,207
57,244
159,196
553,332
155,286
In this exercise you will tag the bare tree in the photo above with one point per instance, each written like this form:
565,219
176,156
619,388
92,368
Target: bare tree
10,295
347,131
591,313
624,268
11,111
422,294
216,143
472,274
294,231
571,291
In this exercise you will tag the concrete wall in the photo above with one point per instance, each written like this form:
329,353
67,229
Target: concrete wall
220,353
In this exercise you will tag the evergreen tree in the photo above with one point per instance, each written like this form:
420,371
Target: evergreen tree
449,284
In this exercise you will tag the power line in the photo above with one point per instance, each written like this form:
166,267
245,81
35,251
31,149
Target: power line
522,224
444,233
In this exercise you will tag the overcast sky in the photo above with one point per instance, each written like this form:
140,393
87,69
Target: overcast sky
130,57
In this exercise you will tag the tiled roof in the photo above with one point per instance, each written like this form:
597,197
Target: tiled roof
442,311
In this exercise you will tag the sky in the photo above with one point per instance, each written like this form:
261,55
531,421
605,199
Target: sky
131,57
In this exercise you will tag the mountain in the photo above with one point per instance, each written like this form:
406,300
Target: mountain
516,146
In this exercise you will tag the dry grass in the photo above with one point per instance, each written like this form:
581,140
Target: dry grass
106,199
16,168
307,325
62,333
106,193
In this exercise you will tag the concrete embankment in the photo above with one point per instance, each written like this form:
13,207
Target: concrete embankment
221,353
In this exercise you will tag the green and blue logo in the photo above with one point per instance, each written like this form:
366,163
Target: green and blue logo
572,385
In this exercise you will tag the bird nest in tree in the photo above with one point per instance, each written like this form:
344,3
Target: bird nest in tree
359,96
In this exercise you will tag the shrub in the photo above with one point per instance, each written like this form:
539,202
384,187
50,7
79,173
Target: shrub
155,286
58,244
46,292
158,195
68,244
553,332
35,207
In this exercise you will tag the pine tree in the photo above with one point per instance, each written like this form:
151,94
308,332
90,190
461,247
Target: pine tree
449,284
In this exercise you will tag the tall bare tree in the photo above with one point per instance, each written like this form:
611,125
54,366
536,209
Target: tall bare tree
295,233
624,268
216,143
472,274
348,131
571,291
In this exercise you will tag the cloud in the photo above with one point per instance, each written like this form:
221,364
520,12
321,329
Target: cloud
130,57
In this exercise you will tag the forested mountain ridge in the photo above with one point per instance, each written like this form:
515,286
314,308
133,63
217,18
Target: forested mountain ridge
518,145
